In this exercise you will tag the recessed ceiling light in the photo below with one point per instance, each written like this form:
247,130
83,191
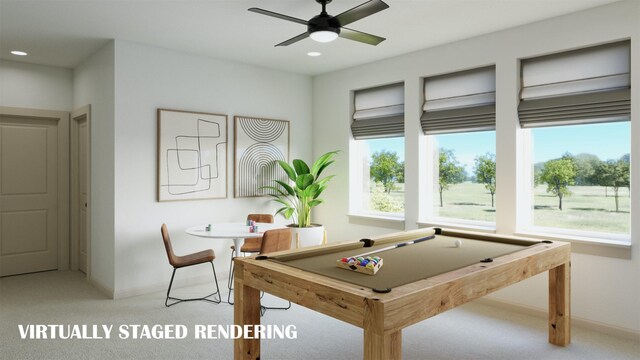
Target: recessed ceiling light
314,53
18,52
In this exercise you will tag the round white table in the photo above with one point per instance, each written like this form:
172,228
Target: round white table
235,231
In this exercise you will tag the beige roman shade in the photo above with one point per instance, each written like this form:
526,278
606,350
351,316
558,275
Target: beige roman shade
460,102
590,85
379,112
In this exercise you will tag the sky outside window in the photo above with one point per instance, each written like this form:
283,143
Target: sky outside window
606,140
394,144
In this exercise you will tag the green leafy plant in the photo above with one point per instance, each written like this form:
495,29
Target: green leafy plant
299,198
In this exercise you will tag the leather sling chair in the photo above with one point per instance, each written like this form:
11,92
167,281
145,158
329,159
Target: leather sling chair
178,262
250,245
272,241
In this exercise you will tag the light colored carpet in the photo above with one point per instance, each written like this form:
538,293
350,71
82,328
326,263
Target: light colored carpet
473,331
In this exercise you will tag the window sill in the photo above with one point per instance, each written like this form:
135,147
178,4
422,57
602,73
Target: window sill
457,226
377,220
586,245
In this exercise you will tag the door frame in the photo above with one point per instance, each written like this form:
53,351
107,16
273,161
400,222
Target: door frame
62,119
83,113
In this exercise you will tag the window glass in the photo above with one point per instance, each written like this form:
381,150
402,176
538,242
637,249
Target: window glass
382,179
464,180
581,177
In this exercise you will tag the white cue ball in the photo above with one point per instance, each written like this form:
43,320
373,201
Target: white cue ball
458,243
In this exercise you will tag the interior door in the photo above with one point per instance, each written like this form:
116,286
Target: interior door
28,195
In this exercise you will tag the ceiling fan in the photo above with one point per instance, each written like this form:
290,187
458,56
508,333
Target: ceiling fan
326,28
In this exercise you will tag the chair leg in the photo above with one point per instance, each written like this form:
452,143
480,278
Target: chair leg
230,280
205,298
230,287
263,309
169,290
215,278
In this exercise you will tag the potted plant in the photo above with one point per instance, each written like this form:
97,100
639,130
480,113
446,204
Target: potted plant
297,199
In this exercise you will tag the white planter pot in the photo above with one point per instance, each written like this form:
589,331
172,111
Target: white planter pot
309,236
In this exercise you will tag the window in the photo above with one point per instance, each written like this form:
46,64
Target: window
581,177
459,121
575,110
377,152
382,166
465,176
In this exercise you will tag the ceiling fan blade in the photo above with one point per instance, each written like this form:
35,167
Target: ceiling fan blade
294,39
363,10
279,16
360,36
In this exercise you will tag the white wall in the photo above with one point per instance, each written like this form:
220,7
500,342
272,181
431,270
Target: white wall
35,86
93,83
148,78
605,290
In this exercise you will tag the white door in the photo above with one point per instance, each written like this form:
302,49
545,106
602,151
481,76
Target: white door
28,195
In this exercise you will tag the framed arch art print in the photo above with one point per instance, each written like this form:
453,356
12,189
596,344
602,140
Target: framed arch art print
259,143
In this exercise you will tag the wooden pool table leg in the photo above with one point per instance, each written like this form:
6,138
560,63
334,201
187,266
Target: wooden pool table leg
560,305
246,311
378,344
382,346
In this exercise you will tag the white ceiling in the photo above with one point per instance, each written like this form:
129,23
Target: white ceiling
64,33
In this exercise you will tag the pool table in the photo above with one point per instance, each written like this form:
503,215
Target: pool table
416,281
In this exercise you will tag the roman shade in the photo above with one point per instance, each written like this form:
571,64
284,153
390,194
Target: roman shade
590,85
460,102
379,112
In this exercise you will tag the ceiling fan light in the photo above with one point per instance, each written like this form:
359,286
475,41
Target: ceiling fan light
323,36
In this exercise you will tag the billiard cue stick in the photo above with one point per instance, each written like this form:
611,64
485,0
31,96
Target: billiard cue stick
412,242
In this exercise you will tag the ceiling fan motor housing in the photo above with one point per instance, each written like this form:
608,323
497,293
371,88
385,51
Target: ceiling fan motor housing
323,2
323,22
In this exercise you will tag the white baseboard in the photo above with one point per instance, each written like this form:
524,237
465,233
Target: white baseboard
575,321
102,287
162,286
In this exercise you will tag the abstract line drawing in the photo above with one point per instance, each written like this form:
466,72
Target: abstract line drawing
259,144
192,155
